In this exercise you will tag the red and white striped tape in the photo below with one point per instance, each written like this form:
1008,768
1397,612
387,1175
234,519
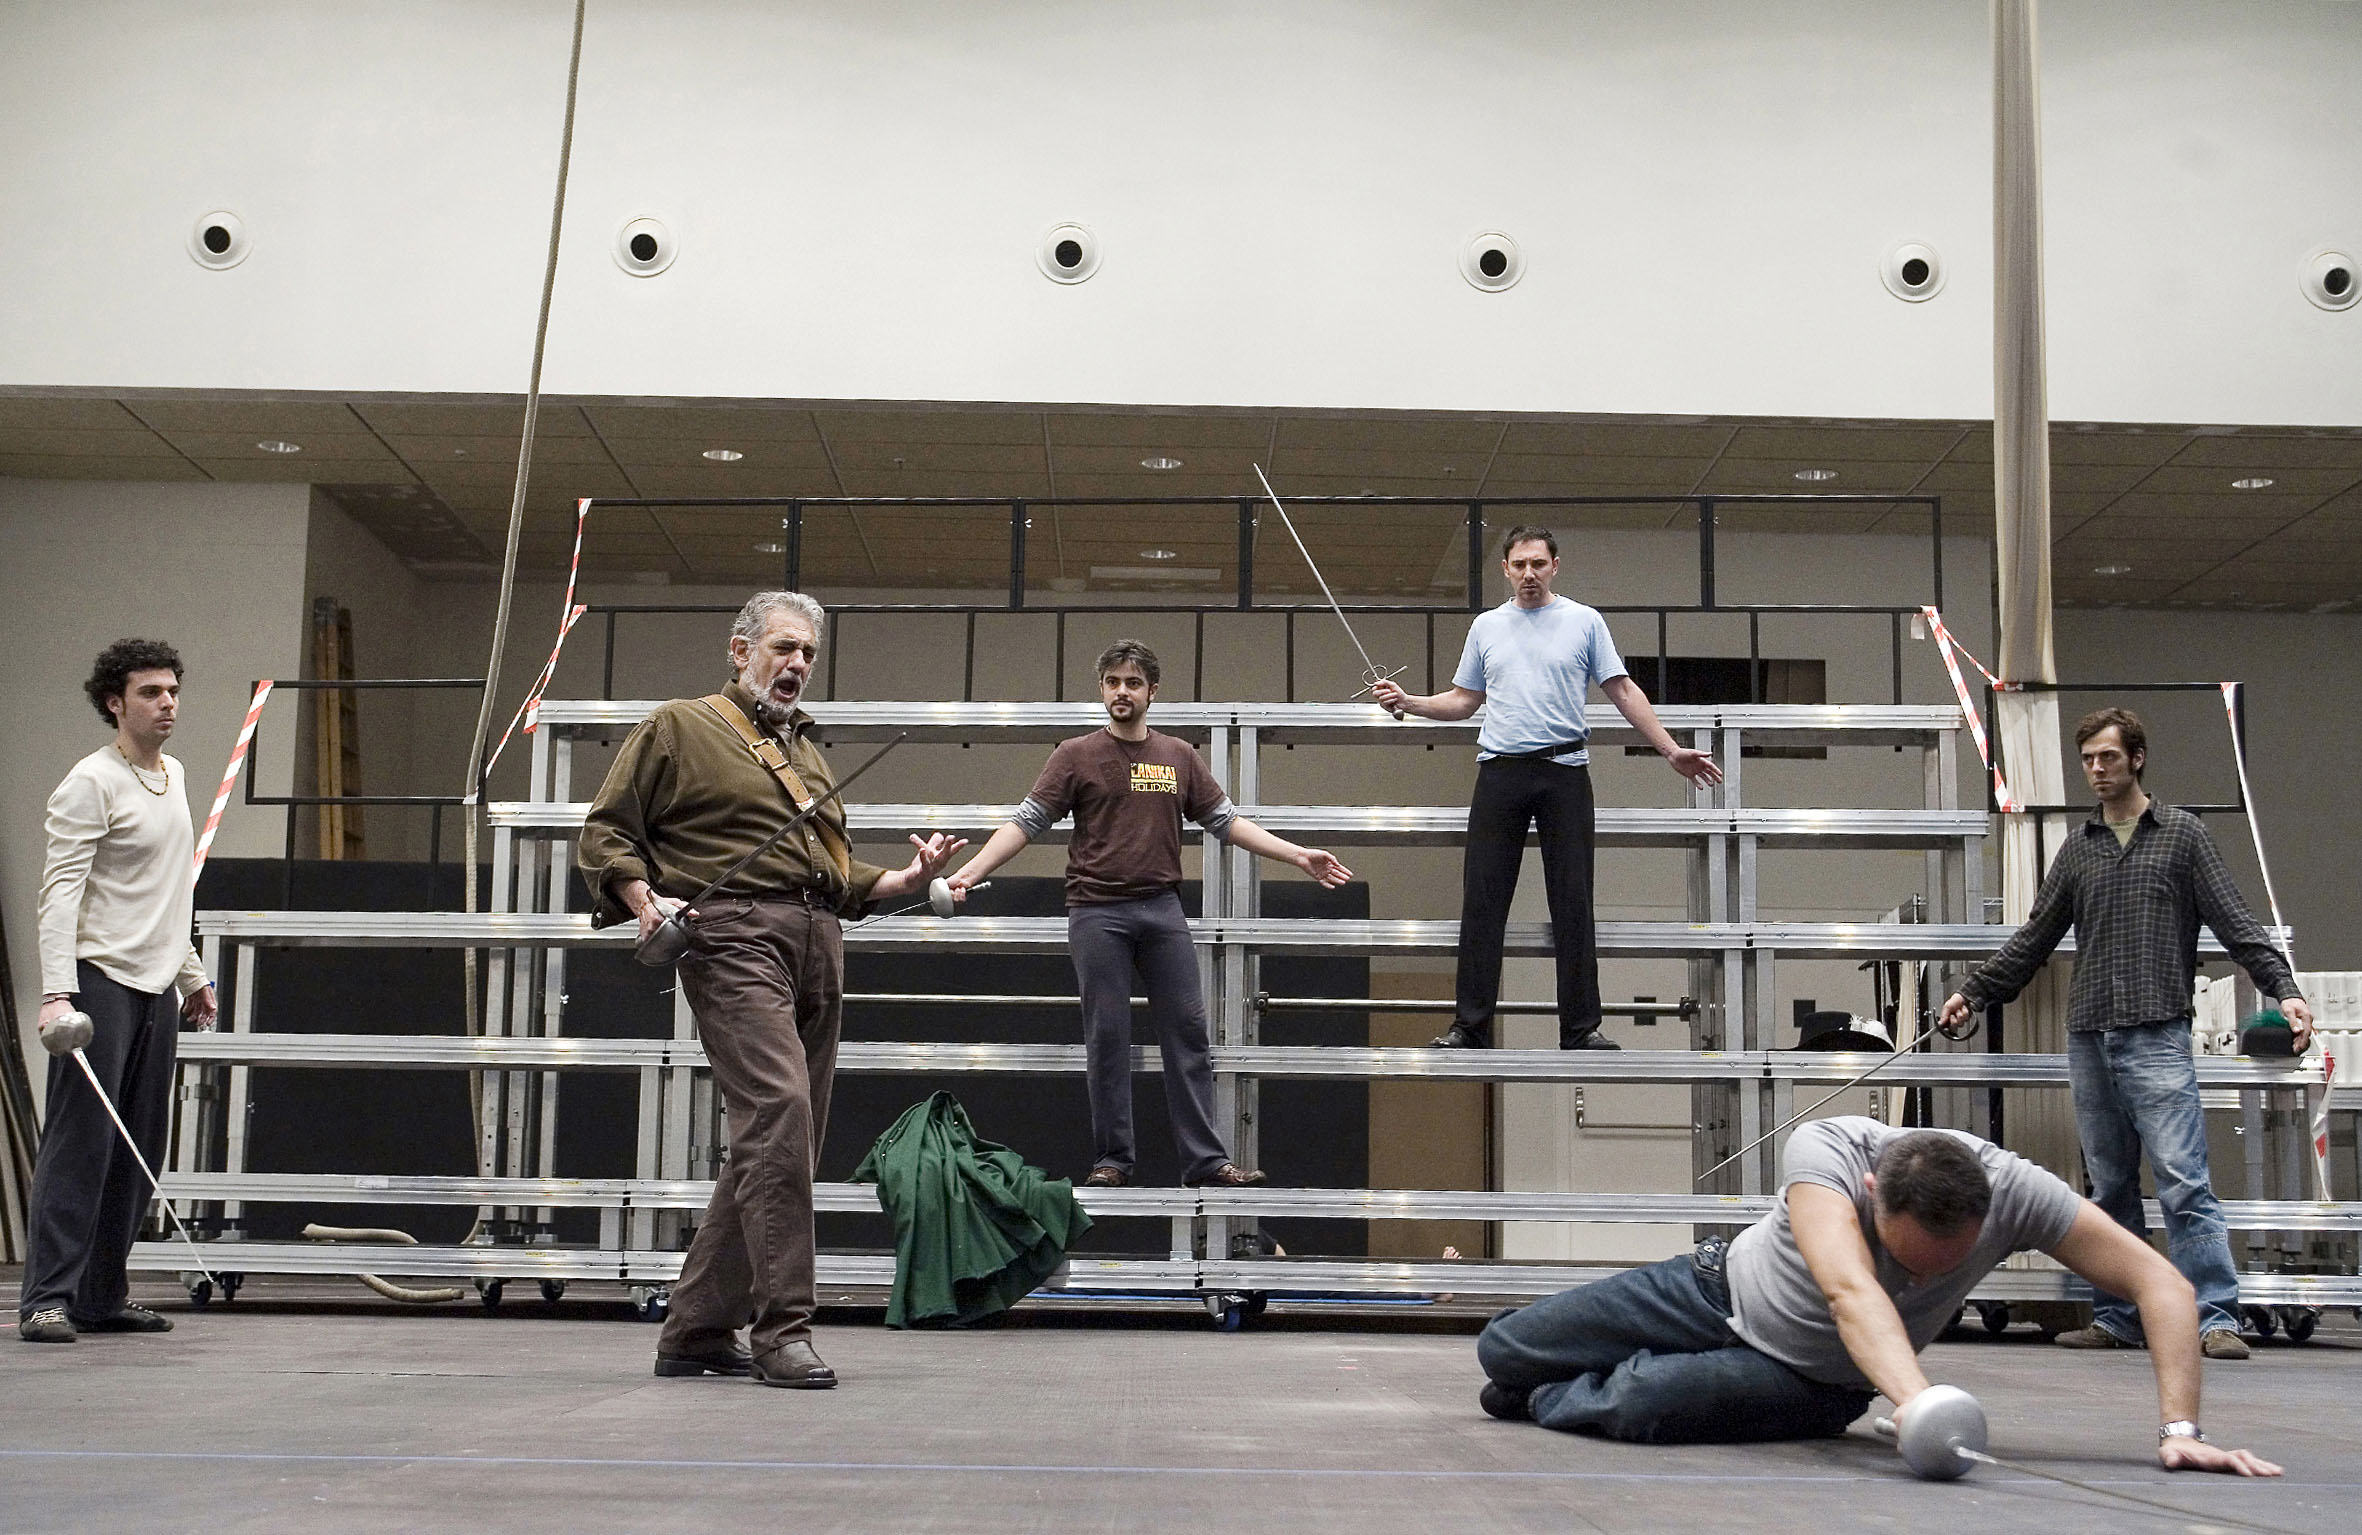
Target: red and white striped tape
229,777
569,614
1949,648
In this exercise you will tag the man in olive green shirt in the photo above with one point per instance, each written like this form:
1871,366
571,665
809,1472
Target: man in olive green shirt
687,795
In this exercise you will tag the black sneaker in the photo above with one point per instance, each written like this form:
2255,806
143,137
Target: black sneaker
1460,1037
129,1319
48,1325
1595,1040
1505,1404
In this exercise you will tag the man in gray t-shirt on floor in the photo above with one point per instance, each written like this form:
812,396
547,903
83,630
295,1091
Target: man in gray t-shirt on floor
1792,1329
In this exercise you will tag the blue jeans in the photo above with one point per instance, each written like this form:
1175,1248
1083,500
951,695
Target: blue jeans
1648,1356
2136,1088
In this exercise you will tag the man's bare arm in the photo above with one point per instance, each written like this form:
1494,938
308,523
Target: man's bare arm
1829,1234
2115,1260
1453,703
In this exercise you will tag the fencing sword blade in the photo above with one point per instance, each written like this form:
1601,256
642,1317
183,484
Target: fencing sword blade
2188,1515
108,1104
1371,675
803,813
1900,1052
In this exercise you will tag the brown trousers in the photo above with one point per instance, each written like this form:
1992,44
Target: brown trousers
765,978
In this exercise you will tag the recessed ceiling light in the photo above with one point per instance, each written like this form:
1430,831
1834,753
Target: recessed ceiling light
1160,462
274,445
770,548
2252,482
1816,476
1159,554
724,455
2111,570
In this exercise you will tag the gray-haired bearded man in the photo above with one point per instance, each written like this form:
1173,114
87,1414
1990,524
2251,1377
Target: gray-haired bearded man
700,782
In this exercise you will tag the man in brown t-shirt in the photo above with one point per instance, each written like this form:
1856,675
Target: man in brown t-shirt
1128,788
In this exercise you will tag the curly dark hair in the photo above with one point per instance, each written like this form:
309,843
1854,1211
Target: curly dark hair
111,673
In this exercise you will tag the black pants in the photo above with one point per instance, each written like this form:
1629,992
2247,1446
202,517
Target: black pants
88,1193
1151,936
1512,794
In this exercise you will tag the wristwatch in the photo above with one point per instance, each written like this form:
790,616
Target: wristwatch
2179,1428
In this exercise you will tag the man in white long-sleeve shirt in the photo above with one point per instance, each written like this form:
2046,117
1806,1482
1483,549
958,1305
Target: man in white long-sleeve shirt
116,899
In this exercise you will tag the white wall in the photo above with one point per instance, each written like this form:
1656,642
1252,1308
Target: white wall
2304,723
1703,193
217,570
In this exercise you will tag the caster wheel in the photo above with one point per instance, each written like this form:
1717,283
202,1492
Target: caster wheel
1228,1311
1255,1306
488,1291
553,1290
201,1293
1995,1318
2298,1322
231,1284
651,1305
2260,1320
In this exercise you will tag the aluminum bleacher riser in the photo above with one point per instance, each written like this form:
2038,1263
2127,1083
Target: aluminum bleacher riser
1047,935
1083,1275
1295,724
1381,826
1924,1069
1158,1203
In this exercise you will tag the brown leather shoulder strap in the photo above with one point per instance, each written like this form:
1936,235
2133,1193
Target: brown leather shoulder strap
773,757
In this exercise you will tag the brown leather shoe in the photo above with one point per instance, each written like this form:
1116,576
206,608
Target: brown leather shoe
795,1366
2222,1343
1229,1176
728,1357
1107,1178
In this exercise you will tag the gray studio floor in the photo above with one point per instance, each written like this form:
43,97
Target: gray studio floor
301,1409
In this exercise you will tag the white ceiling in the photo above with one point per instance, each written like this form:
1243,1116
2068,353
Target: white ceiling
434,478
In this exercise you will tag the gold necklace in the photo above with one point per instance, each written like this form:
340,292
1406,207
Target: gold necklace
141,773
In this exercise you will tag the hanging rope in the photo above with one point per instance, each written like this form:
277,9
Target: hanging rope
473,791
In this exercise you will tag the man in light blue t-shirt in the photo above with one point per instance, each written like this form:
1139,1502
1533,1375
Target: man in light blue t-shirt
1529,664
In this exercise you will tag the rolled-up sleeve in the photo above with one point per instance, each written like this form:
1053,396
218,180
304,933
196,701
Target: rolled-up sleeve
2002,977
1033,818
2222,908
613,847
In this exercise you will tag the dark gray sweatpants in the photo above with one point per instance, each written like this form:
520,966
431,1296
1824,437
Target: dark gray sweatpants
1151,936
89,1195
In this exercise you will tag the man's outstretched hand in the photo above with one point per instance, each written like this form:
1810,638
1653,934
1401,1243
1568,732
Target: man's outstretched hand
2184,1454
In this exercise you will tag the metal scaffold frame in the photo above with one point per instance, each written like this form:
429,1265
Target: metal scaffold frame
1740,1082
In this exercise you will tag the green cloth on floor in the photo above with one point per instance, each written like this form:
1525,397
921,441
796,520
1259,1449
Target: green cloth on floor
975,1226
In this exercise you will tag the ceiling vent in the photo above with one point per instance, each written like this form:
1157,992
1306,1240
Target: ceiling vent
2330,279
1912,272
1492,261
218,240
1068,254
644,246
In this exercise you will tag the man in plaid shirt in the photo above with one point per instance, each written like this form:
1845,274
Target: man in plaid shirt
2135,882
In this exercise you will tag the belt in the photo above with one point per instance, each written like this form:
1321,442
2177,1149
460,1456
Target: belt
799,895
1545,754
